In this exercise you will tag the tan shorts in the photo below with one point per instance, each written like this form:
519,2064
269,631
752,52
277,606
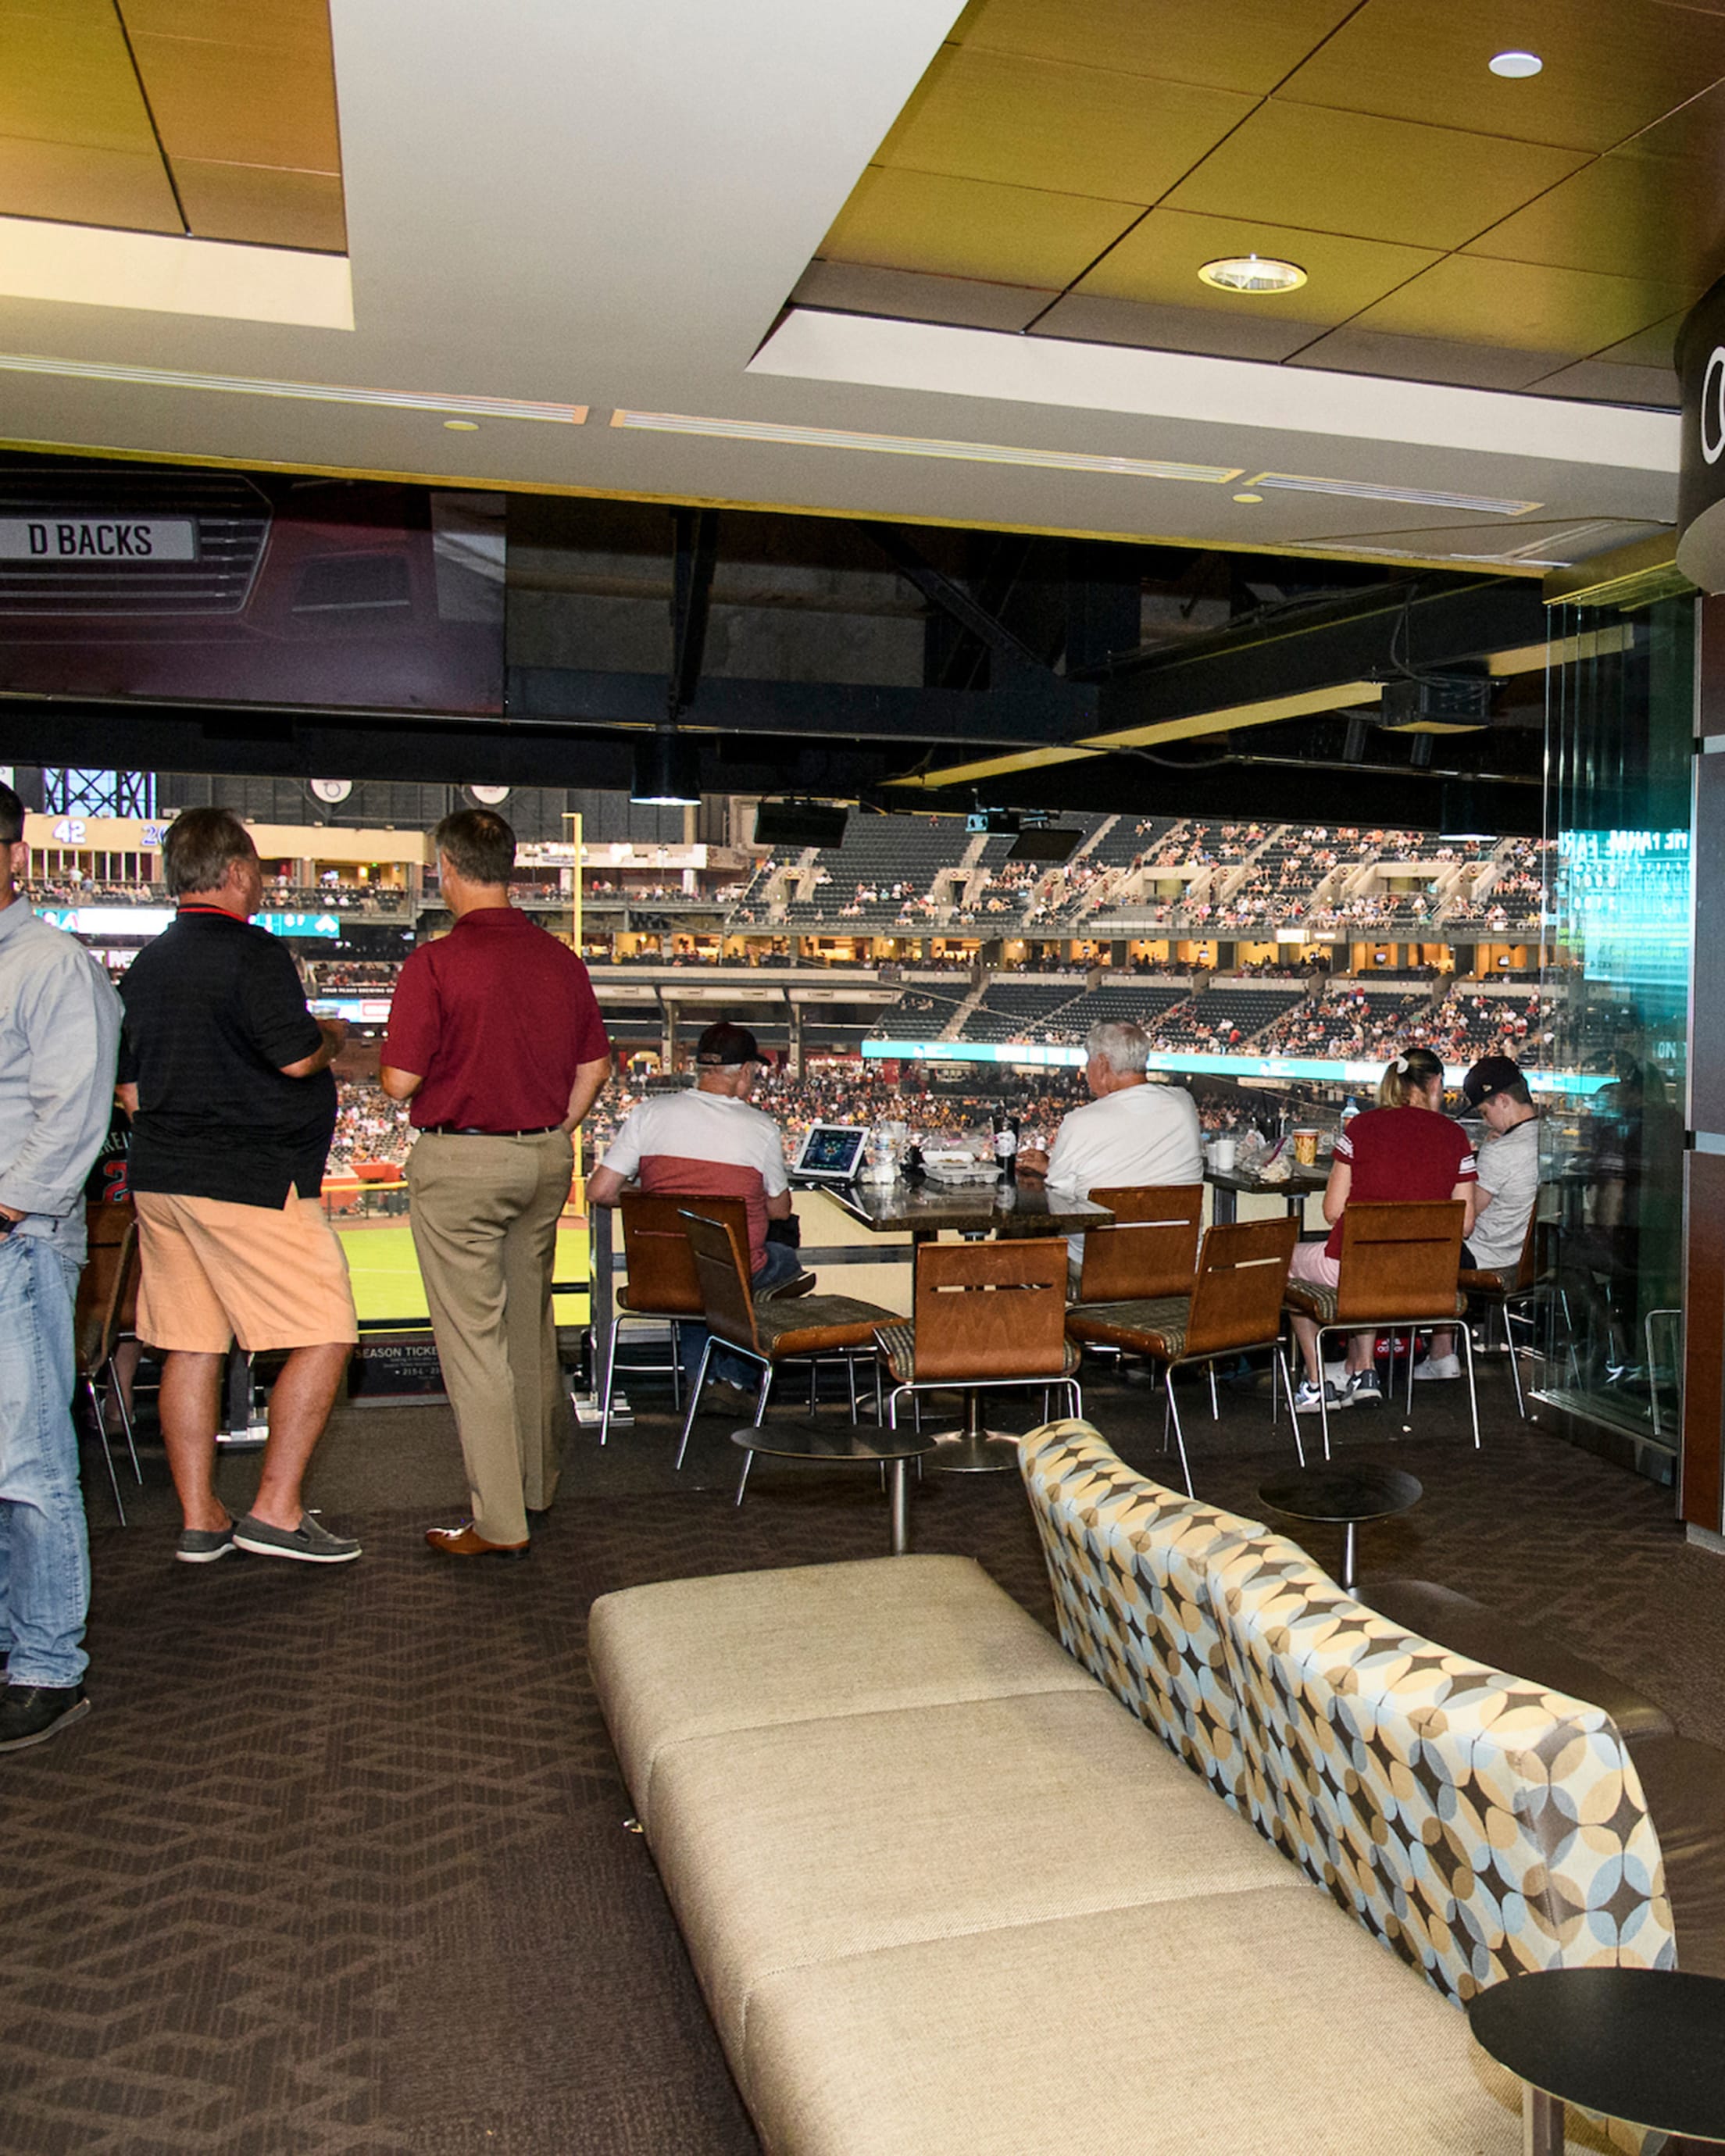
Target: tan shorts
214,1272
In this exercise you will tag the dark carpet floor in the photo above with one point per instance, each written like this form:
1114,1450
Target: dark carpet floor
338,1861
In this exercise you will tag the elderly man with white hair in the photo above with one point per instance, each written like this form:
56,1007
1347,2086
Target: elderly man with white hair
1130,1131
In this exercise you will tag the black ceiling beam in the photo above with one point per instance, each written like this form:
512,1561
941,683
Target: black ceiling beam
1350,639
696,551
951,597
1026,713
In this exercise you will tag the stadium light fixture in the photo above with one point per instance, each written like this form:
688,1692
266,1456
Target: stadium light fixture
667,772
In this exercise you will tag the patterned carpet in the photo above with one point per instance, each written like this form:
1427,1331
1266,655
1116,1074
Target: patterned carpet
339,1864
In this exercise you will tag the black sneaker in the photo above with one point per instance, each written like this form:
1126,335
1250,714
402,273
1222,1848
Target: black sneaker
30,1714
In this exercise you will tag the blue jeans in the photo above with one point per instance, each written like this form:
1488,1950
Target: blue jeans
784,1263
44,1554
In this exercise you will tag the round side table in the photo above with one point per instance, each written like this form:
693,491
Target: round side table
1343,1496
1644,2046
839,1442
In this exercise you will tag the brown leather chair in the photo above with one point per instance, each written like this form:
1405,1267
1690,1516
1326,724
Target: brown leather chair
771,1331
984,1316
107,1291
1399,1271
1493,1293
1152,1248
1234,1308
662,1285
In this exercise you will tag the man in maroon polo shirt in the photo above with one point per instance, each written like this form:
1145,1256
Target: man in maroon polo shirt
496,1038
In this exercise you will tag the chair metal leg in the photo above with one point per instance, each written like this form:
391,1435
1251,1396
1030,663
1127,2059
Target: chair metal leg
1413,1348
742,1480
1323,1403
814,1385
761,1397
677,1333
850,1373
1515,1365
96,1405
1473,1398
112,1374
608,1379
1216,1406
1280,1364
1167,1383
879,1410
694,1393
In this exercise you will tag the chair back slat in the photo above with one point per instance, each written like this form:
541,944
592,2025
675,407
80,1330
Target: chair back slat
1242,1277
107,1284
991,1310
1152,1249
722,1266
1400,1260
662,1277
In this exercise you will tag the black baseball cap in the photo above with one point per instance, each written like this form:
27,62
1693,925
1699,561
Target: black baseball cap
1491,1074
724,1046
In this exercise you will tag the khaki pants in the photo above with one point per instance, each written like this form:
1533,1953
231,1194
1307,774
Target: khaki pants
484,1219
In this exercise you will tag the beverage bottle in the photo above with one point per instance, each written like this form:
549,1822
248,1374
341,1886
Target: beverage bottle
1350,1109
1006,1144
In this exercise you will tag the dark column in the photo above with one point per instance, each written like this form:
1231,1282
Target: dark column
1703,1458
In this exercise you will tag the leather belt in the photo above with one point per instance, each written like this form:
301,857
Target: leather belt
478,1130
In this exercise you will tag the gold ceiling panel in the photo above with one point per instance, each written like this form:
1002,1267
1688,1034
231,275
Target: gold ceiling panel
1246,45
1524,306
240,103
66,77
263,204
70,183
953,228
1612,67
1621,215
1159,259
282,25
1369,177
1354,349
1032,123
1656,347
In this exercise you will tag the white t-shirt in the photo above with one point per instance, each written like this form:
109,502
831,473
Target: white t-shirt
1509,1168
704,1145
1142,1134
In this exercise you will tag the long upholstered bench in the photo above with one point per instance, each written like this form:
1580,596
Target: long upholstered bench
946,1891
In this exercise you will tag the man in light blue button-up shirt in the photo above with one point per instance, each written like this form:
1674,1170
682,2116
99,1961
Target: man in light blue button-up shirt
59,1034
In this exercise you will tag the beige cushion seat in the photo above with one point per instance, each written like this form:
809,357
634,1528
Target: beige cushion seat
687,1658
878,1829
1258,2023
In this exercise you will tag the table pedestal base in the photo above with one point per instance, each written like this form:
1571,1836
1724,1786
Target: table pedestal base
1542,2123
973,1451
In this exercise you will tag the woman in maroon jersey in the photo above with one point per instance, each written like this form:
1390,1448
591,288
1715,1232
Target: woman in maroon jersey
1403,1151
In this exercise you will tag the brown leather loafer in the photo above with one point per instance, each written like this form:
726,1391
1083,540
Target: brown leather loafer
463,1542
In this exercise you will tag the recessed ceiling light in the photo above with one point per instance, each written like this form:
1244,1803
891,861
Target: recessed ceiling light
1252,273
1516,66
1249,497
462,426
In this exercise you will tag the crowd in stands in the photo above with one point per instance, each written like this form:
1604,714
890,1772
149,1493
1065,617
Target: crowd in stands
369,1127
1465,1027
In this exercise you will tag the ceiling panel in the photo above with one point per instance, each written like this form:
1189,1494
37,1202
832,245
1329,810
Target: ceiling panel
241,103
1173,329
71,184
857,288
1607,381
1619,215
1159,260
262,204
283,25
1612,67
1370,178
1523,304
1353,350
954,228
1249,45
65,76
985,116
1656,347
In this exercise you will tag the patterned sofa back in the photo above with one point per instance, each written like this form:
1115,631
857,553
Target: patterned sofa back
1129,1561
1478,1825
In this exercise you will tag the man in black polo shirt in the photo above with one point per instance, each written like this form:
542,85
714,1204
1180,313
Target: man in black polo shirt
227,1074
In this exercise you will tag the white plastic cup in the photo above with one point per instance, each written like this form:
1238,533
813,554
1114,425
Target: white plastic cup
1222,1156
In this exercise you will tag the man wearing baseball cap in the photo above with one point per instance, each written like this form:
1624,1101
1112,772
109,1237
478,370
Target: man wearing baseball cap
1508,1188
710,1143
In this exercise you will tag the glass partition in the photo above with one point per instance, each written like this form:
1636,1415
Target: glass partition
1620,730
